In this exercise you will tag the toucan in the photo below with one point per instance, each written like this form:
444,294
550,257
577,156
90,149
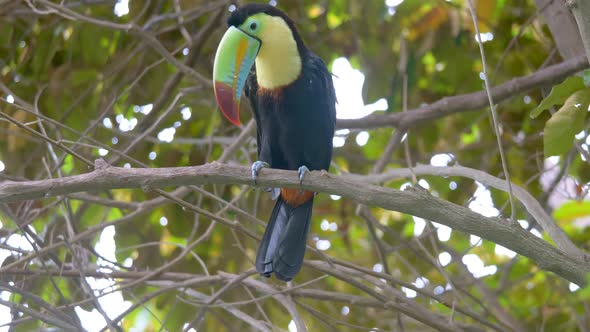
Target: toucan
292,97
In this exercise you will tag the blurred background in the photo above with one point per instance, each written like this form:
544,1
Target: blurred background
129,81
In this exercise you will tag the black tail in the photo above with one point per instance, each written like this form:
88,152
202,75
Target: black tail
283,244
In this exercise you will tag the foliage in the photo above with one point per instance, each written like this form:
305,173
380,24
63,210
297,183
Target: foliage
569,120
104,90
566,123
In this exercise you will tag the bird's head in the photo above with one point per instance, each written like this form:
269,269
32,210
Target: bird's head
260,34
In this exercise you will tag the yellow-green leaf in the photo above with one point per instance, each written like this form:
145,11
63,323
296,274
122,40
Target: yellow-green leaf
559,94
566,123
571,211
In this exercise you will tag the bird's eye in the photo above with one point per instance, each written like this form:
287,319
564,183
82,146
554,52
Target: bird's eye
253,26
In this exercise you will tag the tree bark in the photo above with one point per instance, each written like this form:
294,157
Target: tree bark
414,201
563,27
581,11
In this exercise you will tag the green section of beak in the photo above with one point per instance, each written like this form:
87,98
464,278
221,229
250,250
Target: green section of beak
234,58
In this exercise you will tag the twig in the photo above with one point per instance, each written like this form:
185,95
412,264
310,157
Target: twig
394,142
48,139
495,121
41,316
198,320
392,298
172,83
47,308
363,212
496,308
132,29
232,310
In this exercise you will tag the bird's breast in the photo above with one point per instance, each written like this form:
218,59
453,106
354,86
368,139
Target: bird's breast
296,197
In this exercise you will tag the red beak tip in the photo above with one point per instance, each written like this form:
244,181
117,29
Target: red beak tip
225,100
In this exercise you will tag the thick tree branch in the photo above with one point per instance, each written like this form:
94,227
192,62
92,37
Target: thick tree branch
529,202
413,201
563,27
470,101
581,11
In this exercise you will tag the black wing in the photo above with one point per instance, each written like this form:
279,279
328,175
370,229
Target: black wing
309,117
324,95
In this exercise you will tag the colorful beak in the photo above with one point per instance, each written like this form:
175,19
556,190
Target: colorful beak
234,59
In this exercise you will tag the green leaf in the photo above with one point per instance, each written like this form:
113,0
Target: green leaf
572,210
471,136
586,76
566,123
84,76
6,34
68,164
408,230
584,293
559,94
335,21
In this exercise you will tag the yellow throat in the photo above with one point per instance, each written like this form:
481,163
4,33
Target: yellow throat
278,63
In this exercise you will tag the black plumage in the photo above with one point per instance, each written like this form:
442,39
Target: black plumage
295,128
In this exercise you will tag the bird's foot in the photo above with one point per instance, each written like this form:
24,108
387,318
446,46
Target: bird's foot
256,167
302,171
